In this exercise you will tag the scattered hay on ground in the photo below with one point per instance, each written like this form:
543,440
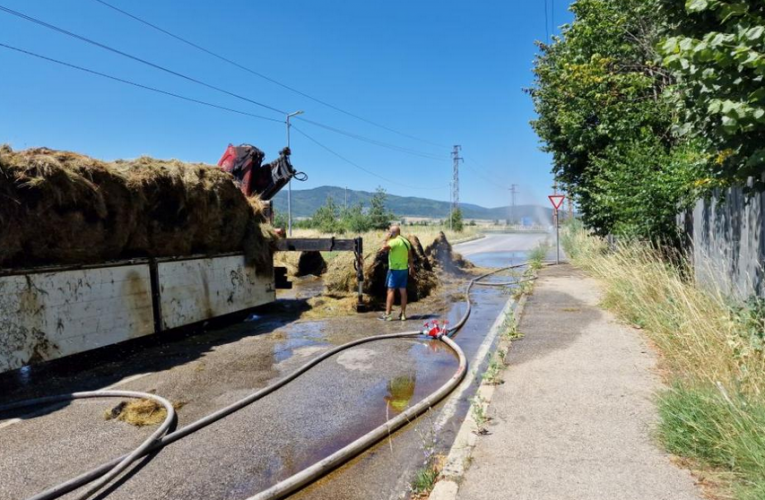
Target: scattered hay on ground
60,207
140,412
441,254
331,306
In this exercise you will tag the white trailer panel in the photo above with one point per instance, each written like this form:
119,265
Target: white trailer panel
201,289
48,315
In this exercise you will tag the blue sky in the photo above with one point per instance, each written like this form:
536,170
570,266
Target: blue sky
446,71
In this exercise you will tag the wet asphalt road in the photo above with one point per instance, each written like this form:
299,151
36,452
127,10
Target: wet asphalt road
273,438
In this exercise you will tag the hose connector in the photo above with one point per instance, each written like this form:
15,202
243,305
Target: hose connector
435,329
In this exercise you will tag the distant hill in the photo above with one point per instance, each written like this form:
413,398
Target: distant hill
306,201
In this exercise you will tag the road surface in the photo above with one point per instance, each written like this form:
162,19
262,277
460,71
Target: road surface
273,438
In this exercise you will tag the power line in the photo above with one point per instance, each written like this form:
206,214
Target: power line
493,180
356,165
218,89
135,84
135,58
547,25
261,75
204,103
374,141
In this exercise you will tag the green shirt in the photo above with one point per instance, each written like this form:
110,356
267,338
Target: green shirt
398,257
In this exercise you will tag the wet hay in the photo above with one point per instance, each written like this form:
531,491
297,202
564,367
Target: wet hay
440,252
341,276
138,412
65,208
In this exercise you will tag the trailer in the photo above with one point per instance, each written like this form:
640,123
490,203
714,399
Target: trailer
51,313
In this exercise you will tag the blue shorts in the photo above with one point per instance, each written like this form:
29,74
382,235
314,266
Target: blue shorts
397,279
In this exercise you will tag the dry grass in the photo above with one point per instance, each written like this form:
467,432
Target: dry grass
693,327
714,413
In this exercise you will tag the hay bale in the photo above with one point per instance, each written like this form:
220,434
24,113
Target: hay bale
64,208
440,252
341,276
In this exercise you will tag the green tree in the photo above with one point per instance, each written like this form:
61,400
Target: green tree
280,220
379,215
326,219
604,102
717,54
355,220
455,221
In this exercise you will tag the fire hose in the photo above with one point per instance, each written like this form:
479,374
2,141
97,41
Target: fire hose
103,474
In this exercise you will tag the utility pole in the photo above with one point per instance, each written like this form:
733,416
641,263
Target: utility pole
289,183
513,192
456,179
346,198
451,204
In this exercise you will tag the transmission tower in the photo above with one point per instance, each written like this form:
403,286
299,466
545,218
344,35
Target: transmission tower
456,178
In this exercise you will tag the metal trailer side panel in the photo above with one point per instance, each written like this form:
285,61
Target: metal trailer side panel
201,289
49,315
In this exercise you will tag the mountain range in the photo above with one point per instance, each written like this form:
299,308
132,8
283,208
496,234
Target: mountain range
306,201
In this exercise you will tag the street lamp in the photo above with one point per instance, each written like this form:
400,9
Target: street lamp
289,184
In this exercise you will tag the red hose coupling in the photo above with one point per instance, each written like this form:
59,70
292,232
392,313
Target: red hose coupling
435,328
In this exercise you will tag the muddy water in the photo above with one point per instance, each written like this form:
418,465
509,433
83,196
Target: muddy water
385,471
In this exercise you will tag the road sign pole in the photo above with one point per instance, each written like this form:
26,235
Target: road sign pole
557,201
557,237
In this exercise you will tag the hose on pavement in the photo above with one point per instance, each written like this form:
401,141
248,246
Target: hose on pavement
119,464
109,470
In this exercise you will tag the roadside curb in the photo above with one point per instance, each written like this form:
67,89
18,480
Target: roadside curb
460,454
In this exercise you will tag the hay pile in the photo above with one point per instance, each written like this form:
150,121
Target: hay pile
341,277
140,412
440,252
59,207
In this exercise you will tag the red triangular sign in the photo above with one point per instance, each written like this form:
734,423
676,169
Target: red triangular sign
557,200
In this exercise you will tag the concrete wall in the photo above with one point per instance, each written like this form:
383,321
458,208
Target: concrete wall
727,240
49,315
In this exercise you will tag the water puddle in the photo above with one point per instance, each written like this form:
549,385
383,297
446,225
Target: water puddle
498,259
301,338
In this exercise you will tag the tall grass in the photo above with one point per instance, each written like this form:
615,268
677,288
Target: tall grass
714,412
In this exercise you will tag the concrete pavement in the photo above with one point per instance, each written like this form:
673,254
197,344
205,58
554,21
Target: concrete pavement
573,419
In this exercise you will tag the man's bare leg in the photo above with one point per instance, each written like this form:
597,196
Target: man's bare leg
403,300
389,302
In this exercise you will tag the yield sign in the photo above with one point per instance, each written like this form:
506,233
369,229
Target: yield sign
557,200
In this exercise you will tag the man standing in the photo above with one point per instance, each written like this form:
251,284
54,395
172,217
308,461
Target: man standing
399,250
